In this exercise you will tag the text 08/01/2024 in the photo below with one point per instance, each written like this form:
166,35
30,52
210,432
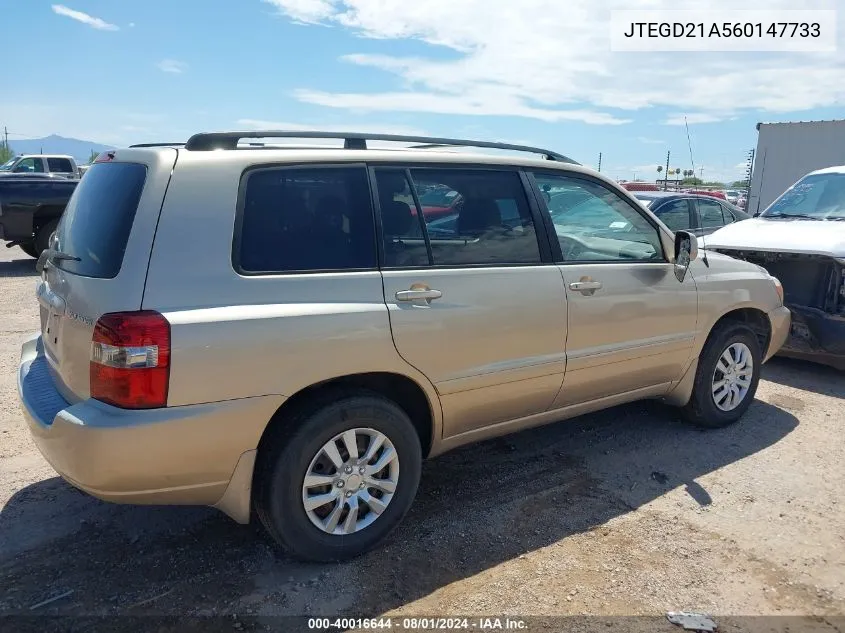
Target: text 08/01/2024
723,31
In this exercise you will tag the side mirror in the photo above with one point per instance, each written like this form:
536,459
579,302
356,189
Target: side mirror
686,251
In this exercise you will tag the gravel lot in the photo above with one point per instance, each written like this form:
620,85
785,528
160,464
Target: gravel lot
624,512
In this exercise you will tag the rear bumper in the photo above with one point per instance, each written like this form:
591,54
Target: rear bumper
816,336
184,455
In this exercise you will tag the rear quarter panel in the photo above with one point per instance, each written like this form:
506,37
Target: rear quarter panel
237,336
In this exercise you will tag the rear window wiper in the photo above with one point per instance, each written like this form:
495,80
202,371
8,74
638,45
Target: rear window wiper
51,254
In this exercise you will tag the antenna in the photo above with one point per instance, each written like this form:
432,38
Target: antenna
692,160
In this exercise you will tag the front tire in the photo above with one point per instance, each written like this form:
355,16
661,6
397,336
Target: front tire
726,378
343,480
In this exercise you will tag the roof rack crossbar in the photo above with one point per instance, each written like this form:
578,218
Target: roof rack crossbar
156,145
357,140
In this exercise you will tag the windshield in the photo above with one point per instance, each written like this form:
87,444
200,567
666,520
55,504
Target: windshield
8,164
818,197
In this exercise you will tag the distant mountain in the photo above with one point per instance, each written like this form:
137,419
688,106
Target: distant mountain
54,144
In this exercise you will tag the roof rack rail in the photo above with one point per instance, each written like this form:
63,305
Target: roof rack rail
356,140
180,144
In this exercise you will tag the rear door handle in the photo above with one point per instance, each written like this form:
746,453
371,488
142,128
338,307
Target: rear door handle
585,287
418,295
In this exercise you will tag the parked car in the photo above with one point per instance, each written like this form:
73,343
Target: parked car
267,328
732,195
30,208
800,238
696,213
59,165
708,192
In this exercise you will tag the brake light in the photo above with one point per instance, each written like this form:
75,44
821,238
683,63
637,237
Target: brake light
130,359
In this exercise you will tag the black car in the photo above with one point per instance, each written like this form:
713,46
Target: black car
692,212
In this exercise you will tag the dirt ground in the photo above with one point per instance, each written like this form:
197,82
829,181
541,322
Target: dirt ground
626,512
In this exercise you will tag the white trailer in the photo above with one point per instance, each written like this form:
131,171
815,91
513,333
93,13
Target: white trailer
788,151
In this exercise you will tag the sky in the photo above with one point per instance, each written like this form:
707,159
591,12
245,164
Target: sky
538,72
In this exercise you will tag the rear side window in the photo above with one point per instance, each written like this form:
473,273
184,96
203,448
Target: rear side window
675,215
489,221
710,213
311,219
96,223
59,165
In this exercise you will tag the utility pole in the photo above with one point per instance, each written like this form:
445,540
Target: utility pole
6,138
749,173
666,179
701,175
599,161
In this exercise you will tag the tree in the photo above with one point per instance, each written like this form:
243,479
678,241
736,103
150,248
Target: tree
6,153
659,169
93,156
739,184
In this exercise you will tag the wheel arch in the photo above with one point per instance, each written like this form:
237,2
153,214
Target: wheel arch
759,323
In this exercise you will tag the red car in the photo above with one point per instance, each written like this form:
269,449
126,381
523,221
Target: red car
706,192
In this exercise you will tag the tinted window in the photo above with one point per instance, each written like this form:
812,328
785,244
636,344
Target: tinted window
727,214
404,244
306,219
96,223
489,224
59,165
593,223
710,213
675,215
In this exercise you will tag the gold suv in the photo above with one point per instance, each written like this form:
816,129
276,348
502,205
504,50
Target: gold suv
294,329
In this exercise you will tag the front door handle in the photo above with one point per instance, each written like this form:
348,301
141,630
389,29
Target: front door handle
418,294
586,286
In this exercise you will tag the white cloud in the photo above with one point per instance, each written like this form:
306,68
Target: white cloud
131,25
503,60
172,66
306,11
694,118
482,102
263,124
79,16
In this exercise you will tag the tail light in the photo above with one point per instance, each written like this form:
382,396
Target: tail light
130,360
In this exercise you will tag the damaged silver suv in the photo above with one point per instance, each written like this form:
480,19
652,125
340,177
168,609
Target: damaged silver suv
287,332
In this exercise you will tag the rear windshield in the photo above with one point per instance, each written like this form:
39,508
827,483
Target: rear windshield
96,223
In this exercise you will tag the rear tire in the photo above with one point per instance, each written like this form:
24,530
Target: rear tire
42,237
280,492
720,398
29,249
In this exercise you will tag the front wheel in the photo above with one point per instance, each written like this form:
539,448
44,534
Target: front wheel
343,480
42,237
727,377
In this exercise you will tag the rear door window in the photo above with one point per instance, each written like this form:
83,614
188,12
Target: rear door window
710,213
59,165
96,223
305,219
675,215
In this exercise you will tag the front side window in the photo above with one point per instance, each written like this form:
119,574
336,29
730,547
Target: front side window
593,223
458,217
710,213
819,197
30,165
312,219
675,215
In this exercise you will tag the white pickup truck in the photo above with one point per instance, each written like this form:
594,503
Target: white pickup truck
57,165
